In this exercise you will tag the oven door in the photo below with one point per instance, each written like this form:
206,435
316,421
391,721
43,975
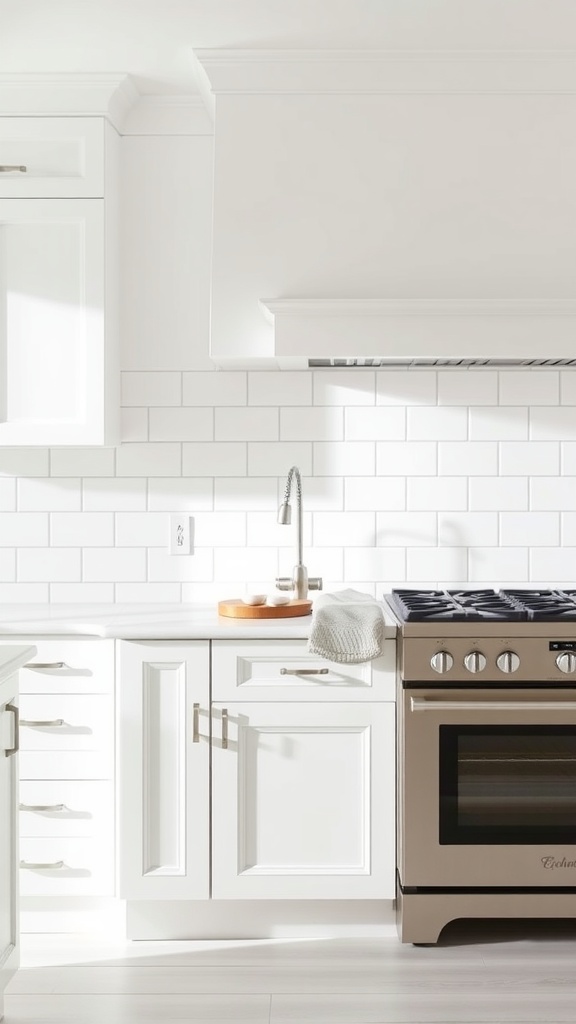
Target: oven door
487,788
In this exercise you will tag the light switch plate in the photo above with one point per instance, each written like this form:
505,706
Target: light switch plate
180,534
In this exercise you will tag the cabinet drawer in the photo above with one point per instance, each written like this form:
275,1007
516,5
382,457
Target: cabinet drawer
283,670
66,721
65,764
60,808
66,866
69,666
51,157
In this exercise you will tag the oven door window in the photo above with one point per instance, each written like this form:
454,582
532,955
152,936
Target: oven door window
507,784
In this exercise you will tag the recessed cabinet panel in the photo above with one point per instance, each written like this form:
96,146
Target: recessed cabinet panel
51,321
303,801
59,157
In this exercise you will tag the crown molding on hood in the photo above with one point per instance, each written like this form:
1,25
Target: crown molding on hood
389,329
465,72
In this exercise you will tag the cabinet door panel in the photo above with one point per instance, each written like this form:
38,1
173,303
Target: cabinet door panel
164,770
9,945
303,801
51,321
60,157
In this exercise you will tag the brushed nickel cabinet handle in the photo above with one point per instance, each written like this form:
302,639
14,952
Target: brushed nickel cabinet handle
17,723
13,167
45,664
54,724
224,728
304,671
195,723
42,807
29,865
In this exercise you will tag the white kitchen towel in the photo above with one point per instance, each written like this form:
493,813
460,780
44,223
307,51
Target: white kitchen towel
347,627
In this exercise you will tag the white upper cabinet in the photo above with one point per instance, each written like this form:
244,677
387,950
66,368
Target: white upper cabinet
58,281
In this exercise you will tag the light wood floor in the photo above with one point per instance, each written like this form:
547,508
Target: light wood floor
479,973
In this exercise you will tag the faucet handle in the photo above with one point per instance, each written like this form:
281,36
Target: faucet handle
314,583
284,583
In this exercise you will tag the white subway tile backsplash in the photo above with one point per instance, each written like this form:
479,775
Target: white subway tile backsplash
468,387
529,458
56,565
222,387
462,529
498,493
554,494
113,495
437,424
245,564
133,424
8,564
269,457
467,458
343,387
380,424
567,527
82,462
325,423
553,424
498,424
407,529
214,458
248,494
568,387
82,593
432,564
147,389
249,424
498,565
7,494
406,458
344,458
181,494
568,458
82,529
374,565
23,529
535,387
530,529
142,529
24,593
49,494
375,493
264,530
328,564
24,462
406,387
225,529
149,460
273,388
553,565
321,493
181,424
354,529
164,567
446,493
114,564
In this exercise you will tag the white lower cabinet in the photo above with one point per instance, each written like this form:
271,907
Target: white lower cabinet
300,792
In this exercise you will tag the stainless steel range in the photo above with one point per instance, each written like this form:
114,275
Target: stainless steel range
486,756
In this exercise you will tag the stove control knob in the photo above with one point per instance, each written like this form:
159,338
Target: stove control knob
475,661
566,662
508,662
441,662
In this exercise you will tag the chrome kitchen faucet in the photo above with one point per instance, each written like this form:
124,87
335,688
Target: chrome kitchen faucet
299,582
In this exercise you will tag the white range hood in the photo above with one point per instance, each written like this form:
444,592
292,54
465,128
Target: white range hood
392,209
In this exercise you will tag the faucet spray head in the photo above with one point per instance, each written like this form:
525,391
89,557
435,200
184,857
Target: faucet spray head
285,514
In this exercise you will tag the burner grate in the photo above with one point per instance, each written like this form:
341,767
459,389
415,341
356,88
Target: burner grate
539,605
455,606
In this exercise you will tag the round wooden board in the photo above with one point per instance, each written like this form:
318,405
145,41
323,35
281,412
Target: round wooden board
236,609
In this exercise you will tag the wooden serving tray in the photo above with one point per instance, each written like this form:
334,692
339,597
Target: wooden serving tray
236,609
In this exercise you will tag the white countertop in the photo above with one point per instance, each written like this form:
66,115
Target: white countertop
14,657
153,622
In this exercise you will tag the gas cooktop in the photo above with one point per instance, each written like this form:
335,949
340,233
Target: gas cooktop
484,605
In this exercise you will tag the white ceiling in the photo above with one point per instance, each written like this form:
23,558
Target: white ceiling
152,39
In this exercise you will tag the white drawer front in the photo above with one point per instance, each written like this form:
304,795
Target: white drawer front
65,721
59,808
69,666
283,670
51,157
65,764
66,866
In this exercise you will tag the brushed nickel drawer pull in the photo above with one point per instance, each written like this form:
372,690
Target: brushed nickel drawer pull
304,671
42,807
17,723
195,723
224,728
54,724
45,664
13,167
29,865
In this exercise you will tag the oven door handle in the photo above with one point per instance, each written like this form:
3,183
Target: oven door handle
425,704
